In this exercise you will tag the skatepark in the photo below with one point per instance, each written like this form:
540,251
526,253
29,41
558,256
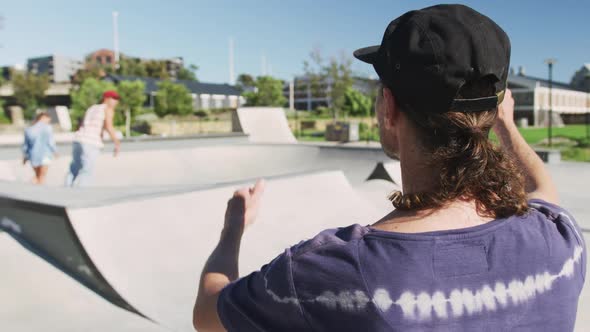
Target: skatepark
126,253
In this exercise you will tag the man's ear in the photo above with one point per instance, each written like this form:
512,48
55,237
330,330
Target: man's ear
391,116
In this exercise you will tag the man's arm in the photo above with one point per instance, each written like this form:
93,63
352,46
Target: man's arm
538,182
221,269
222,266
108,126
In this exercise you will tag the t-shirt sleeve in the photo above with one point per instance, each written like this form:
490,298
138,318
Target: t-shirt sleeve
51,139
567,227
265,300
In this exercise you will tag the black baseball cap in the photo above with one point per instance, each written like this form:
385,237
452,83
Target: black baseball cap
427,55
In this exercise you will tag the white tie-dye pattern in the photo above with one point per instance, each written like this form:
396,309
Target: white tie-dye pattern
468,302
346,300
460,301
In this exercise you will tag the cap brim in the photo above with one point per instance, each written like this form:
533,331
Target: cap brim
367,54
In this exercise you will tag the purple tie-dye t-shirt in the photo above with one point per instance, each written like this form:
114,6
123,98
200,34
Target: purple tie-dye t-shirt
520,273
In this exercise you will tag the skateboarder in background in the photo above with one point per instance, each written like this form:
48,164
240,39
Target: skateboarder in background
88,139
477,240
39,146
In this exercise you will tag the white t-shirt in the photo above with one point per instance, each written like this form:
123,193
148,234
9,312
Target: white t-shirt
92,127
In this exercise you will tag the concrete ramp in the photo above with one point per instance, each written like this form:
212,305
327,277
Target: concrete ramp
47,231
198,165
376,192
208,164
263,124
38,297
7,171
388,171
144,252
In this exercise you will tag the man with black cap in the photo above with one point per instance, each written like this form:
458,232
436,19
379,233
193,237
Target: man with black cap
477,240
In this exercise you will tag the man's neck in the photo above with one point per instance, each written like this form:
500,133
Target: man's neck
454,215
418,175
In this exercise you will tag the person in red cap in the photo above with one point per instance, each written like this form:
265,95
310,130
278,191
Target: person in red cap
88,139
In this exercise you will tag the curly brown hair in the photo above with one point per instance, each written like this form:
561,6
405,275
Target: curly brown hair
470,166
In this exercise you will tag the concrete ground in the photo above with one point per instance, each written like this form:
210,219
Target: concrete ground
174,192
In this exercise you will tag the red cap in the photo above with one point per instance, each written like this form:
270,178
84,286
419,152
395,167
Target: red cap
110,94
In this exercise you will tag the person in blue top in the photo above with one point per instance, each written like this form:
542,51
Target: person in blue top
478,240
39,146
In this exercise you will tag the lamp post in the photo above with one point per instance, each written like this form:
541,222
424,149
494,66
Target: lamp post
116,38
292,106
587,86
550,63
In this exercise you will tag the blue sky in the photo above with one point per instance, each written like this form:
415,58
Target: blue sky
283,31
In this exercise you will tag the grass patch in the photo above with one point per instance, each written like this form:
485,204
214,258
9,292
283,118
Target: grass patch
311,136
570,140
576,154
535,135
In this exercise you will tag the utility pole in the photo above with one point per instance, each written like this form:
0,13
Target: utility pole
263,59
587,78
116,38
231,62
292,106
1,25
550,63
116,51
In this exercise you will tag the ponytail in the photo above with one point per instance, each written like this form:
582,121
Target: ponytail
470,166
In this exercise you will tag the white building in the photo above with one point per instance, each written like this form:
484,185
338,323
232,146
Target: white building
531,96
581,79
205,95
310,95
60,69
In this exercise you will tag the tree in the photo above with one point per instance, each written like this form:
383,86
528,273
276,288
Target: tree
356,103
173,98
340,74
156,69
97,72
314,73
132,96
2,114
268,92
336,75
245,81
88,93
131,67
29,91
132,99
189,73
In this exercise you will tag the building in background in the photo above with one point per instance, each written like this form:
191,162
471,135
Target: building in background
205,95
581,79
531,98
173,66
102,57
60,69
106,57
310,95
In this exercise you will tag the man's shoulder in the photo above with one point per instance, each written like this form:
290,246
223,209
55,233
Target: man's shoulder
563,221
328,240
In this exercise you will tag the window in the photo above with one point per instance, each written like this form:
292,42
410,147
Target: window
108,59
